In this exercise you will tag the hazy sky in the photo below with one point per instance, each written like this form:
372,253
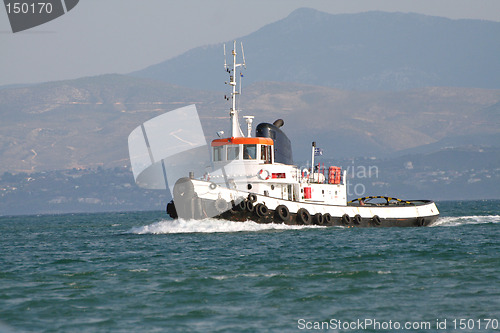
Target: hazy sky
120,36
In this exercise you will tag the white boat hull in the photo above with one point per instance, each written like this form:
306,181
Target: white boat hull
198,199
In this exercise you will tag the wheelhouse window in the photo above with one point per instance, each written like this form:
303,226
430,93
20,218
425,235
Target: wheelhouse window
249,152
233,152
217,153
265,154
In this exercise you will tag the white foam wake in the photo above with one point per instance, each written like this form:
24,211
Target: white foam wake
451,221
210,226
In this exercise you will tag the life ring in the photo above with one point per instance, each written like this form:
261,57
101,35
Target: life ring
261,210
376,220
357,219
305,173
221,205
303,216
263,174
327,218
318,219
282,213
252,197
346,219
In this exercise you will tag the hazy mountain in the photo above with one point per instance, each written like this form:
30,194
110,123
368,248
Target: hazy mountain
367,51
80,123
86,122
351,123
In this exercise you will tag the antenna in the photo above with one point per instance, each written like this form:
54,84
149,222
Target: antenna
243,55
233,111
225,64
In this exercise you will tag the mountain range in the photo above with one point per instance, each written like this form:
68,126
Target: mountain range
85,123
364,51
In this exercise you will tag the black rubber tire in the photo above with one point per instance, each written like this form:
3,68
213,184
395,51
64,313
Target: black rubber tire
233,207
376,220
250,208
242,205
252,197
261,210
282,213
346,219
318,219
171,210
303,216
420,221
357,219
327,219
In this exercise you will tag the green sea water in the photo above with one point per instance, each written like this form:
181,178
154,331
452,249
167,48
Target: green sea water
140,271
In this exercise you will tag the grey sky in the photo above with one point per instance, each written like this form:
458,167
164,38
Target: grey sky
120,36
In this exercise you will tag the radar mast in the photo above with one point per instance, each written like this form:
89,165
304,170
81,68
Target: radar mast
231,70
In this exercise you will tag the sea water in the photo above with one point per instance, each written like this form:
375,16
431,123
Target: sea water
140,271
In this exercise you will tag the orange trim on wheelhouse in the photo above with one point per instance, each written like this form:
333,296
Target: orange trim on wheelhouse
243,140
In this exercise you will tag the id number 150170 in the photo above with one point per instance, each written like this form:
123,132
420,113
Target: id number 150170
475,324
29,8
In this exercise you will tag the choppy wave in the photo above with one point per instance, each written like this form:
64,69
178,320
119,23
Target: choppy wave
451,221
210,226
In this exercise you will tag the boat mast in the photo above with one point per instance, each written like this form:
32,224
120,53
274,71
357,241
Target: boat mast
311,175
234,112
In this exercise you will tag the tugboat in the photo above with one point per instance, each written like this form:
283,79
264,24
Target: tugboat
254,178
